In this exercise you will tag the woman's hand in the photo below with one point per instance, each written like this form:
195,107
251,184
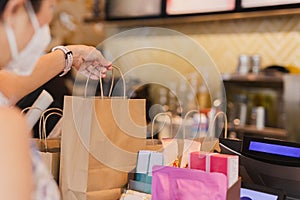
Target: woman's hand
89,61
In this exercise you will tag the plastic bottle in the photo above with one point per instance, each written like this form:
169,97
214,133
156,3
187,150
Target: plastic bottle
256,63
244,64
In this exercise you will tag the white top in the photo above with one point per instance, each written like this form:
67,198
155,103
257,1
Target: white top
3,100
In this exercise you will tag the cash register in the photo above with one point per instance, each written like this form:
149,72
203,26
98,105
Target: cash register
268,167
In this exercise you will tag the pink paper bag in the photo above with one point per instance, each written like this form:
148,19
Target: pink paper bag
181,184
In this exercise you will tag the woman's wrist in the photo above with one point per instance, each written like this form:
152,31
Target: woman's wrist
77,55
68,58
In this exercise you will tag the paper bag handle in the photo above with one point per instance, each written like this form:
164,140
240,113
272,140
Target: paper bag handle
154,119
214,121
43,121
185,118
30,108
112,83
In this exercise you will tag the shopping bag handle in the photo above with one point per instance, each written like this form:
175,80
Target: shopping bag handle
43,121
210,129
112,83
31,108
154,119
185,118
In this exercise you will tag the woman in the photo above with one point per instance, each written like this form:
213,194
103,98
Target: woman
23,39
16,166
24,34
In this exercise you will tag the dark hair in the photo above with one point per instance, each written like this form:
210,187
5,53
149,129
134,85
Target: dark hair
2,6
36,4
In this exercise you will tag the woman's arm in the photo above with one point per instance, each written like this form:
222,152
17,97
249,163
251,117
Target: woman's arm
14,87
16,167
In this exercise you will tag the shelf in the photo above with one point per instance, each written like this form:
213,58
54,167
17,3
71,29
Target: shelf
266,132
252,78
196,18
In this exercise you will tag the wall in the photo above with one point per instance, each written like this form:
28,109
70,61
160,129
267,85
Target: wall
276,39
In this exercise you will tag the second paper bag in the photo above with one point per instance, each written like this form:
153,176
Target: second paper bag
100,141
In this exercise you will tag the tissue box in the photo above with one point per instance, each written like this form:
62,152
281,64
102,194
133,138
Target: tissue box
143,178
200,160
139,182
146,160
226,164
140,186
142,162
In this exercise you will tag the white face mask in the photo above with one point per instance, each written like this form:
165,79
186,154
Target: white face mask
23,62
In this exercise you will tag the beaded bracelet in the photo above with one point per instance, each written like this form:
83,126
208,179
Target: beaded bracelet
68,58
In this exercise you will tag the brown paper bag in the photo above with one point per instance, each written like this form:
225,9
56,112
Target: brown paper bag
187,145
50,154
211,143
105,194
49,149
100,141
51,160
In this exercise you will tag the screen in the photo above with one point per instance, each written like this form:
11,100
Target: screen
133,8
267,173
263,3
176,7
248,194
276,149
